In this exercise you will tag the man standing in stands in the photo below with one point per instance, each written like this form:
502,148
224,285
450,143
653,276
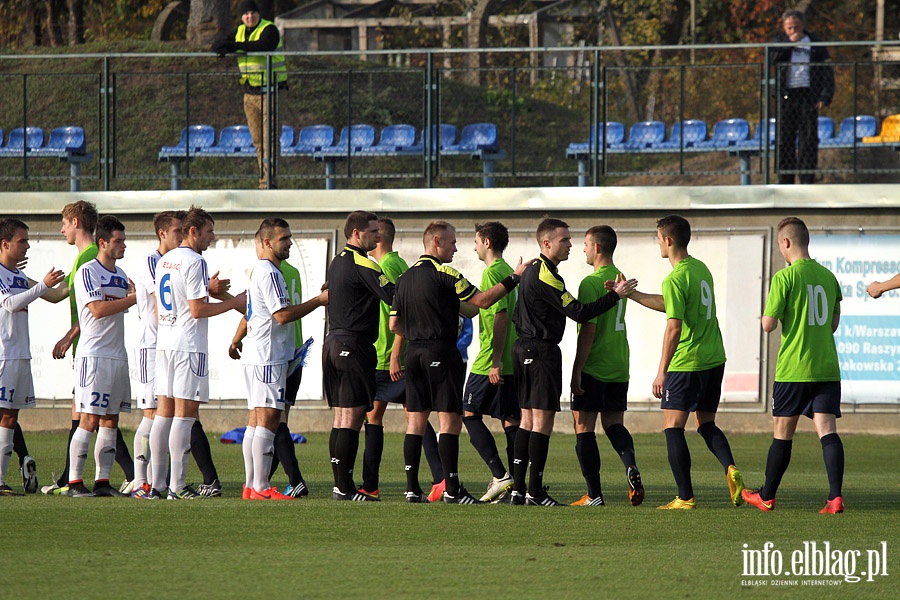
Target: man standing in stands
805,86
260,96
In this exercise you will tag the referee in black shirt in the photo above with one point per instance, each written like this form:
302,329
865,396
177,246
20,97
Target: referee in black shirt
540,318
426,313
348,356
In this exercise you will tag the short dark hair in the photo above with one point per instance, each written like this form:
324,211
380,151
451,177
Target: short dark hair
794,14
605,236
195,217
387,229
434,228
358,219
164,220
796,230
84,211
496,232
677,228
547,227
268,226
106,226
9,227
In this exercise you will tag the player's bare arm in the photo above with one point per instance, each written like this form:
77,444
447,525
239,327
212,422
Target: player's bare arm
670,343
582,349
501,326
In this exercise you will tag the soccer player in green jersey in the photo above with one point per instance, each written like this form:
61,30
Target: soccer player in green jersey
692,364
600,374
806,298
490,389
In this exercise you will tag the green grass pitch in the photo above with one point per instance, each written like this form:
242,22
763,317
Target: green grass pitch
316,547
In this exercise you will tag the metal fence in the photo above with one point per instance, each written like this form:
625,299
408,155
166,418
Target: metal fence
541,101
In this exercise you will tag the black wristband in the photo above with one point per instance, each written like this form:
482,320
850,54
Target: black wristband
510,282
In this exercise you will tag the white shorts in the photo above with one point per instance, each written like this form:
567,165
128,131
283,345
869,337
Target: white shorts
182,375
16,384
102,386
146,376
265,385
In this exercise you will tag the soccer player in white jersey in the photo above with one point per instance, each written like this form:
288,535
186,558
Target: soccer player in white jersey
182,374
102,387
268,346
168,230
16,293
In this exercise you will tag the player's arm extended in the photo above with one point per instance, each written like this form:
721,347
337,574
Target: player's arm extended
670,343
201,309
652,301
298,311
877,288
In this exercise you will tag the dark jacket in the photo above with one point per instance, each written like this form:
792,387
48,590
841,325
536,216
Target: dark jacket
821,76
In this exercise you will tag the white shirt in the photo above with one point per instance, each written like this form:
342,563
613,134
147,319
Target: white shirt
100,337
267,341
145,289
14,299
181,275
798,72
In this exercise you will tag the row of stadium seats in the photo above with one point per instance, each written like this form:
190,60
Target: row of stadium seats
68,144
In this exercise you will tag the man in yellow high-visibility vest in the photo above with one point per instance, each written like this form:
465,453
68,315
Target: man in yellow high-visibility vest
257,35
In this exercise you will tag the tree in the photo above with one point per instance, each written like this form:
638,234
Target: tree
207,21
76,22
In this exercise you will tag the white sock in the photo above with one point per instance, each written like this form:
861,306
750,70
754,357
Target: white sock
142,451
247,448
78,451
263,451
180,449
159,452
6,448
105,452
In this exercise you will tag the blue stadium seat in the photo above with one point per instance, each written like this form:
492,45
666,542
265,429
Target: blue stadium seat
21,140
755,142
726,134
394,138
445,132
352,139
234,139
692,131
856,127
2,139
826,129
63,142
310,139
477,137
194,138
645,134
615,135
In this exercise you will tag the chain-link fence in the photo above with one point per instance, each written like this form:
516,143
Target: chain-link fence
700,115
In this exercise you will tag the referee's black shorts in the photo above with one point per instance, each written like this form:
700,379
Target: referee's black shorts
348,371
537,367
434,377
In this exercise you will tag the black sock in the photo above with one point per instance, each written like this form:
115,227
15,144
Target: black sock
717,444
622,443
286,455
123,456
332,442
589,458
776,465
19,445
64,478
538,446
448,446
680,461
520,460
484,443
432,454
833,453
412,454
510,432
345,449
202,453
372,456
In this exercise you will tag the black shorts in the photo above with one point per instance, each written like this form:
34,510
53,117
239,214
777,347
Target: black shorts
792,398
292,387
537,366
387,390
434,377
498,401
348,371
693,390
601,396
